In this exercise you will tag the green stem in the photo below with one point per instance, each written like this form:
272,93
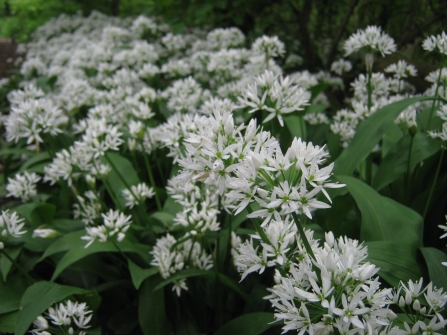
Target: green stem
106,185
369,91
434,182
434,103
306,243
120,176
368,172
160,171
303,236
407,175
303,134
18,266
152,181
263,236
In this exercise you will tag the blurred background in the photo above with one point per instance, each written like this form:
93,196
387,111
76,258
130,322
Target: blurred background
315,30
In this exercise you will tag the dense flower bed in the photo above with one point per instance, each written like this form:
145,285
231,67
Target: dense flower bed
140,160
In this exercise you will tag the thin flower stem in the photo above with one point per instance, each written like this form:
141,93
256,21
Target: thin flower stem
369,88
106,185
368,172
434,103
264,237
160,171
303,236
152,181
120,176
18,266
407,175
434,183
303,137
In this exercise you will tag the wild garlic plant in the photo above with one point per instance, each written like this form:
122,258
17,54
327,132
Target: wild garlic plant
213,165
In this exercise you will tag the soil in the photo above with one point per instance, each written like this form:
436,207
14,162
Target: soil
7,56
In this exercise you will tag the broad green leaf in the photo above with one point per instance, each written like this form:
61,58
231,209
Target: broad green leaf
78,252
184,274
139,274
163,221
317,108
171,206
151,308
15,151
395,163
11,293
296,125
397,261
125,170
391,136
384,219
319,88
43,157
438,272
37,298
248,324
234,285
64,243
37,213
8,322
368,134
5,263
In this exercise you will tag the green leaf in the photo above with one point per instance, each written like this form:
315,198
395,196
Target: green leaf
37,213
369,133
184,274
438,272
384,219
64,243
37,298
317,108
8,322
395,163
248,324
151,308
78,252
16,151
43,157
125,168
139,274
5,263
234,285
296,125
11,293
397,261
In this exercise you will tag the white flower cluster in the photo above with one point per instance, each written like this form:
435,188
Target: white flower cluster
137,194
10,225
341,66
438,43
114,228
88,208
64,318
371,39
170,256
275,95
441,134
23,186
444,227
335,291
425,304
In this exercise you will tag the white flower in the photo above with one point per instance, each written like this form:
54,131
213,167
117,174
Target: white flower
438,43
372,39
10,225
137,194
23,186
115,226
341,66
268,46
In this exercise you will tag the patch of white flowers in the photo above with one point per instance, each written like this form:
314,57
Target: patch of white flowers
64,318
